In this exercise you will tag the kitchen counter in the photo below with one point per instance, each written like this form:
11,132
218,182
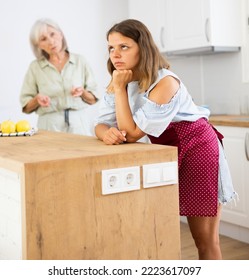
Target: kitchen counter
230,120
51,195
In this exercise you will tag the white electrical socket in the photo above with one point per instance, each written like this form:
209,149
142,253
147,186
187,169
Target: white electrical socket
129,178
120,180
113,180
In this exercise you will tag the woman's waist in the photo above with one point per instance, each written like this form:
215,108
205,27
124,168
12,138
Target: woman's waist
177,132
60,105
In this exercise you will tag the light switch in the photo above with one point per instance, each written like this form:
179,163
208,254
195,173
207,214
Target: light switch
160,174
153,176
169,173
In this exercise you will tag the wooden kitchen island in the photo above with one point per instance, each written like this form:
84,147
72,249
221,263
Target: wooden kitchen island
52,201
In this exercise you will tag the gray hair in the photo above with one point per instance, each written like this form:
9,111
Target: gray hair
39,26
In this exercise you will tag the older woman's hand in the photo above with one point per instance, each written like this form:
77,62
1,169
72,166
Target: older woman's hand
77,91
43,100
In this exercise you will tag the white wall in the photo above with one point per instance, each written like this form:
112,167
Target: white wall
84,22
215,80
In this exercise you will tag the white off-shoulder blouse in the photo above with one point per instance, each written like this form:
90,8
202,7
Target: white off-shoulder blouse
150,117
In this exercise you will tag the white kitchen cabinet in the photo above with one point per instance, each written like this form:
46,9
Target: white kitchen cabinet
203,23
193,26
152,14
236,144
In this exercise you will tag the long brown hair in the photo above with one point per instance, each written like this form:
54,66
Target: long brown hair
151,60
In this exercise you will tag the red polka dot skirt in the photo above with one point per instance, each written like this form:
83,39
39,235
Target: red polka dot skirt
198,162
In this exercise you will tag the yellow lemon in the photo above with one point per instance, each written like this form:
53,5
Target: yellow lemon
23,126
8,126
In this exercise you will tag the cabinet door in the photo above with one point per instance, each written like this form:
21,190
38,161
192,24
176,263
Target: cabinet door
187,24
178,25
203,23
152,14
236,141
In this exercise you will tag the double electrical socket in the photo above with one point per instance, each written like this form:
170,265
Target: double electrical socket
120,180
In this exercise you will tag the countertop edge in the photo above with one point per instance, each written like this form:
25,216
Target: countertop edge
230,120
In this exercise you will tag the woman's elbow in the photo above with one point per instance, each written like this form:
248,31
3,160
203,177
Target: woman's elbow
131,139
134,136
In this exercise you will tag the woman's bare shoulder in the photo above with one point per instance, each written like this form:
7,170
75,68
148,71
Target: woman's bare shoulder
164,90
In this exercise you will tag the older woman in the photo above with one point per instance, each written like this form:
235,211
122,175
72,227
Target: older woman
59,86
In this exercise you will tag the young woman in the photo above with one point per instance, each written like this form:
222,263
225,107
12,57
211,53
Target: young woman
145,98
59,85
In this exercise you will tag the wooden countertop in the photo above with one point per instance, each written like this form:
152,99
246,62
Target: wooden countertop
48,146
230,120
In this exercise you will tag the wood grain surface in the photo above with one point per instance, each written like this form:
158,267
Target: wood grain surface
65,215
230,120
